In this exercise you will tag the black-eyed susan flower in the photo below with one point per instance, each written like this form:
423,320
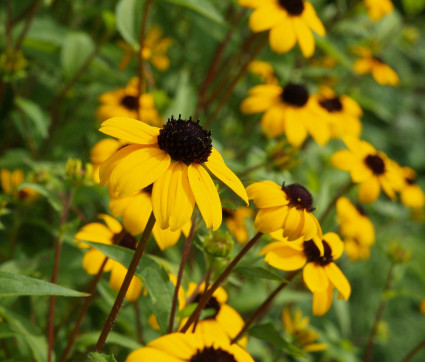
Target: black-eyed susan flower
195,347
235,221
286,110
100,152
372,169
411,194
289,22
356,229
302,335
111,233
287,207
175,159
264,71
320,273
377,9
125,102
10,183
135,211
422,307
370,63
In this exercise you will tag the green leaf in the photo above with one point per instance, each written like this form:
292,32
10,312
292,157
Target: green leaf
51,197
203,7
413,6
329,47
6,331
35,114
12,285
100,357
90,339
75,51
127,14
257,272
185,99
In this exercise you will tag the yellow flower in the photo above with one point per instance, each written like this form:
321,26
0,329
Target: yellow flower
264,71
100,153
135,211
175,159
372,169
302,334
411,194
320,273
422,307
10,182
179,347
341,113
356,228
370,63
111,233
235,222
287,110
377,9
289,22
125,102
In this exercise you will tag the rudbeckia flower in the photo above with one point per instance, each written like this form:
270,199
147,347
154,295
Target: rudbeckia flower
377,9
179,347
356,229
125,102
302,334
235,221
135,211
175,159
264,71
288,207
422,307
411,194
370,63
287,110
289,22
111,233
10,182
320,273
372,169
100,152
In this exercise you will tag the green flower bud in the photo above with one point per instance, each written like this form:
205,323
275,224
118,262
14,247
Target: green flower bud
218,244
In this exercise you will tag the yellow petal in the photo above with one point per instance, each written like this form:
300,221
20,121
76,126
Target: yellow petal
338,279
273,121
315,277
93,260
95,232
165,238
296,131
286,258
310,17
266,194
265,17
113,224
322,301
118,273
369,190
304,36
282,37
335,243
130,130
270,219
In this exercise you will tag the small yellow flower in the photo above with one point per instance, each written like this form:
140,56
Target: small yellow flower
264,71
111,233
289,22
10,182
302,334
370,63
175,159
411,194
179,347
377,9
286,110
235,221
125,102
372,169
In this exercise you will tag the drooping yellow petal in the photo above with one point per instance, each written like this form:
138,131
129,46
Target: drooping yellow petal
95,232
335,243
266,194
265,17
273,121
285,258
282,37
304,36
151,354
369,190
93,260
165,238
113,224
206,196
116,279
315,277
296,131
338,279
310,17
322,301
343,160
130,130
270,219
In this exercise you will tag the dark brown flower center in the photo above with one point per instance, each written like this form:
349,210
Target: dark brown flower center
376,164
293,7
211,304
210,354
410,180
130,102
298,197
331,105
125,239
148,189
228,213
379,59
295,95
185,141
361,209
312,252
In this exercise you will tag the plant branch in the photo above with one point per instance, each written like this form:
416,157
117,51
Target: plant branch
31,14
332,203
415,350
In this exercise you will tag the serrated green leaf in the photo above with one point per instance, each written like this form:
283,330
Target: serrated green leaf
35,114
203,7
100,357
12,285
75,51
257,272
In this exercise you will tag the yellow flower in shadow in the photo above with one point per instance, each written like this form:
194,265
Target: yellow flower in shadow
10,183
422,307
377,9
289,22
411,194
264,71
235,221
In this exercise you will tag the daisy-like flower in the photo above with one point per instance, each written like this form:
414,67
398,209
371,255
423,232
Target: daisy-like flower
302,334
370,63
175,159
356,229
264,71
289,207
320,273
235,221
196,347
289,22
100,152
377,9
372,169
125,102
411,194
286,110
111,233
135,211
341,113
10,182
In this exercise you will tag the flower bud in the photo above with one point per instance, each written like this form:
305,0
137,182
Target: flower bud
218,244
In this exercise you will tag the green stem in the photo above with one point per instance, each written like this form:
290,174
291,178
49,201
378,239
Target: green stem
332,203
415,350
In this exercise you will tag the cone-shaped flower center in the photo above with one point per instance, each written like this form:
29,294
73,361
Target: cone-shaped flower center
376,164
211,304
312,252
331,105
125,239
295,95
185,141
293,7
298,197
130,102
210,354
